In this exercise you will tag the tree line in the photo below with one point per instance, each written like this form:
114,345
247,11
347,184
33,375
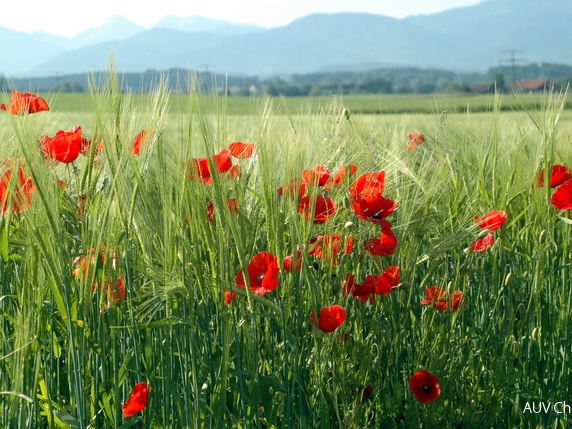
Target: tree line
380,81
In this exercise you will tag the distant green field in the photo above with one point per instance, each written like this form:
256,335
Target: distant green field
358,104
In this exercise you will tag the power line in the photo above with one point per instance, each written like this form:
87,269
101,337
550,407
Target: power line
513,60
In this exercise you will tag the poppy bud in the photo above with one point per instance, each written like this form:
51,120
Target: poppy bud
348,224
345,113
507,279
542,237
535,333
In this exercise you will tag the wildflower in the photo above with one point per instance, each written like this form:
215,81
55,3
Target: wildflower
64,146
318,176
491,221
424,386
229,297
330,318
242,150
21,191
295,189
367,200
141,138
415,139
293,262
25,103
138,399
435,297
342,174
262,271
559,174
386,244
329,247
201,167
482,244
231,204
363,291
562,197
320,210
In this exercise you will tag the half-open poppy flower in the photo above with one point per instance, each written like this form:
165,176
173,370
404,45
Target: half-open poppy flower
424,386
562,197
317,176
384,283
415,139
242,150
229,297
25,103
436,298
330,318
293,262
319,210
559,174
367,200
343,173
386,244
492,221
483,243
140,139
201,170
138,399
330,247
21,190
363,291
263,271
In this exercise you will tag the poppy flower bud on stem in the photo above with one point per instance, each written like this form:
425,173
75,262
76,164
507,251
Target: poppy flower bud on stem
507,279
542,237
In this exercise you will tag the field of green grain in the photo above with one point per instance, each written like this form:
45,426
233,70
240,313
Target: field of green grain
118,270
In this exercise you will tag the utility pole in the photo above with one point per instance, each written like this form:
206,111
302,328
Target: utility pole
513,59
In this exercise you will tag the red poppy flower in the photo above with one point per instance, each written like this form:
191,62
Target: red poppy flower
562,197
435,297
231,204
559,175
201,170
456,301
386,244
229,297
140,139
483,243
415,139
322,208
492,221
363,291
23,103
64,146
367,200
384,283
262,271
138,399
293,262
342,174
242,150
318,176
329,247
21,191
330,319
424,386
295,189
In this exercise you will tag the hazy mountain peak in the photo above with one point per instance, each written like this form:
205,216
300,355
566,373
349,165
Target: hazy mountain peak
199,24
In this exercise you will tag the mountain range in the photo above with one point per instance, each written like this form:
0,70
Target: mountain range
469,38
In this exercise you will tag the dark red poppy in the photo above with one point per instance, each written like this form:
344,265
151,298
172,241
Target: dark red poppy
559,174
319,210
366,392
415,139
424,386
317,176
492,221
436,297
263,271
25,103
295,189
386,244
242,150
330,318
343,173
138,399
293,262
367,200
330,247
483,243
21,190
64,146
562,197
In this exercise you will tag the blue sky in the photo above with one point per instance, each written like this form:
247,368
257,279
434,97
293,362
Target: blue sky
69,17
